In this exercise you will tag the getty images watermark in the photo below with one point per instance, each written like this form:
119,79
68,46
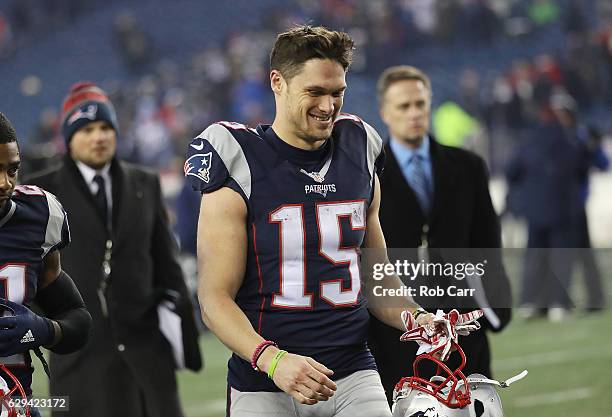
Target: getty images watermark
485,277
410,271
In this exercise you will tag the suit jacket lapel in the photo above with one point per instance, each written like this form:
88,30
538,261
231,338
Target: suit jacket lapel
443,179
83,198
125,210
118,179
74,173
128,195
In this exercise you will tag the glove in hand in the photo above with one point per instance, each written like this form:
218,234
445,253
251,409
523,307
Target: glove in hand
22,329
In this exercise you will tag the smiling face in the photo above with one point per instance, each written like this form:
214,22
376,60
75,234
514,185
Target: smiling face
9,170
94,144
307,105
405,109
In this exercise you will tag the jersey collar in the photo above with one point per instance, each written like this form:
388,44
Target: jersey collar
9,213
297,155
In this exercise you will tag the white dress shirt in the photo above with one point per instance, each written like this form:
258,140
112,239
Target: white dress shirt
89,173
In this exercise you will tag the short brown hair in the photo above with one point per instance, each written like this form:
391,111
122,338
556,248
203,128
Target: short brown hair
399,73
302,43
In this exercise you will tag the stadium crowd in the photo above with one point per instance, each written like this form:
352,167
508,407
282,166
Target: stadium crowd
533,108
161,103
168,102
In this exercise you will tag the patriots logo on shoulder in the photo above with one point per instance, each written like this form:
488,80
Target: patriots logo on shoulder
89,113
199,166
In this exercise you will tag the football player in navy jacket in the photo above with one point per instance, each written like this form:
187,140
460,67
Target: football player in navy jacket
285,212
33,228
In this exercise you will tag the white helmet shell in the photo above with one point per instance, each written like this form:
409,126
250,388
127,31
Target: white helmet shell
417,403
4,390
485,399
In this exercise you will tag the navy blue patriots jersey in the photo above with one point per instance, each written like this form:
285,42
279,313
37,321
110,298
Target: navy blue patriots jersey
34,225
306,224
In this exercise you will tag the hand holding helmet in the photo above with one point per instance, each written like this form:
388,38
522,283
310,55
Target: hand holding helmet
449,393
444,329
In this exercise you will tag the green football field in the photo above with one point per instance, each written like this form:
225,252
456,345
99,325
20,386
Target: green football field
569,363
570,370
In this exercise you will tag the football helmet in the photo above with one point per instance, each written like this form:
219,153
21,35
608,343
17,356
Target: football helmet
18,406
449,393
449,387
484,400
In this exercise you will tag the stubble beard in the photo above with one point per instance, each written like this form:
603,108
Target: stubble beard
413,141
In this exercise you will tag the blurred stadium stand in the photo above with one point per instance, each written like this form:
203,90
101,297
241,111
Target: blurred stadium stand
174,66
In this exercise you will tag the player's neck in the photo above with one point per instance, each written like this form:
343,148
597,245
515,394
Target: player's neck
290,138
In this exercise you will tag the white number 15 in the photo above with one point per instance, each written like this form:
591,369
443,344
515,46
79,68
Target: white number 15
293,253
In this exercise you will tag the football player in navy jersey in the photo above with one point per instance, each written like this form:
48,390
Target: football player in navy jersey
285,211
33,228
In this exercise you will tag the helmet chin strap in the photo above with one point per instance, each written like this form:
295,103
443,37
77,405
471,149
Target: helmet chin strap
501,384
483,380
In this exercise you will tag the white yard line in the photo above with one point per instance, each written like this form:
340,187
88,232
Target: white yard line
554,397
550,358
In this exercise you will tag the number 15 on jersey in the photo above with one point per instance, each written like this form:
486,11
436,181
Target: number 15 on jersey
292,234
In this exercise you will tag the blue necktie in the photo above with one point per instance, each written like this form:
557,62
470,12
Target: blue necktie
419,182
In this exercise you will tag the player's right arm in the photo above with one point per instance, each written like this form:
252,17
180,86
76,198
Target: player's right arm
222,257
62,303
66,325
374,240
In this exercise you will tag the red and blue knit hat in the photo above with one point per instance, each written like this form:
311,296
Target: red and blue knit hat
85,103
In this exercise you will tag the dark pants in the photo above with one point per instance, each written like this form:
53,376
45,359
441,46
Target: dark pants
104,385
548,265
586,258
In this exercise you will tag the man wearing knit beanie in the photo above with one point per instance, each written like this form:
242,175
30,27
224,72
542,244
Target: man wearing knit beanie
124,258
85,104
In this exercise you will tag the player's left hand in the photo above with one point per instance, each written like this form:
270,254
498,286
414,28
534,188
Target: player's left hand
305,379
437,333
426,320
23,329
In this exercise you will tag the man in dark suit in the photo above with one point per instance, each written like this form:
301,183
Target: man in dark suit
434,196
123,259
